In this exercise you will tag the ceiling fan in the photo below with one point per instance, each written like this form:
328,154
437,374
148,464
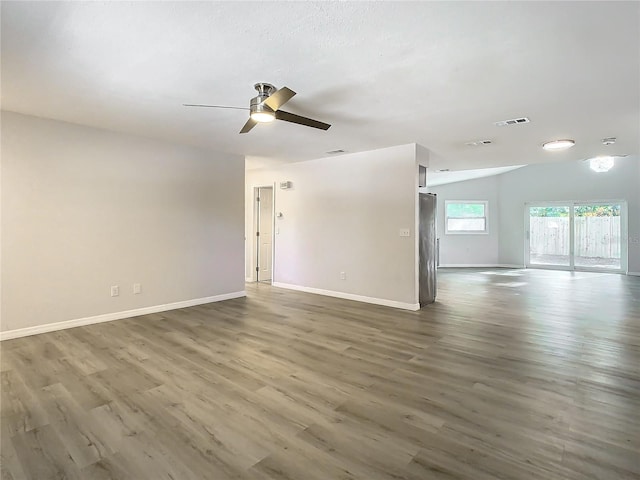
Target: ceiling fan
266,108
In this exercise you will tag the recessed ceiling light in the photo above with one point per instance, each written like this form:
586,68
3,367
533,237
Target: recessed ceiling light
601,164
558,144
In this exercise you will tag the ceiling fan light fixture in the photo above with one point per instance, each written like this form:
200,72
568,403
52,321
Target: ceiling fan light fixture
263,117
601,164
555,145
260,112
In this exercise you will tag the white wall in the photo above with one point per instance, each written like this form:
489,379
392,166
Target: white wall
344,214
84,209
561,181
469,249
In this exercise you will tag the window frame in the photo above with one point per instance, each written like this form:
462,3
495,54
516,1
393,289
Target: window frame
466,232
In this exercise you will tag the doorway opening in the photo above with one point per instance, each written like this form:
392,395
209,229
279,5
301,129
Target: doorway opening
263,233
576,236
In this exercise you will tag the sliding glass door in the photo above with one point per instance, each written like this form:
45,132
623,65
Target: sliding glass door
576,236
597,236
549,236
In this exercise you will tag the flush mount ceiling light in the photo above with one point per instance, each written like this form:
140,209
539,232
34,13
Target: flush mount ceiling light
601,164
558,145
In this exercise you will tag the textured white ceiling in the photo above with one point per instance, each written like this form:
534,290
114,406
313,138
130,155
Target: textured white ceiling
383,73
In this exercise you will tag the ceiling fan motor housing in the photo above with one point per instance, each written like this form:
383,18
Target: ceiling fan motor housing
257,106
265,90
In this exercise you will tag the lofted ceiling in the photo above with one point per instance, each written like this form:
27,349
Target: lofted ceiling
382,73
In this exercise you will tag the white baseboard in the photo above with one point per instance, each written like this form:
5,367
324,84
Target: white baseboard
480,265
108,317
635,274
350,296
248,279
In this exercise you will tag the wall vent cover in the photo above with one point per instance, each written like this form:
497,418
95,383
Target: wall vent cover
513,121
479,143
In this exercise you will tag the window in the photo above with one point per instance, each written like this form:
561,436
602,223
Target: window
465,216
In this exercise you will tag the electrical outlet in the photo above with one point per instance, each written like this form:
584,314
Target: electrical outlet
405,232
137,288
343,276
115,290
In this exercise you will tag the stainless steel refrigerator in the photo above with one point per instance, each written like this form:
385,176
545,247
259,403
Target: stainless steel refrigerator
428,248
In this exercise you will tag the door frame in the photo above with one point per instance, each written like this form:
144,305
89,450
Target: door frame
624,237
255,251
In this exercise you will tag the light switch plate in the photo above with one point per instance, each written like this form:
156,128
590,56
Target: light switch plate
405,232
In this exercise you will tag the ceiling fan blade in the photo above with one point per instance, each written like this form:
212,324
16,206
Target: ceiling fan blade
308,122
212,106
279,98
249,125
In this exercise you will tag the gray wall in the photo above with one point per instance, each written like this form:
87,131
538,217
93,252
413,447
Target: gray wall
508,193
84,209
344,214
566,181
469,249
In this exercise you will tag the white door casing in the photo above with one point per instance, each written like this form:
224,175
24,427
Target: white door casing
265,229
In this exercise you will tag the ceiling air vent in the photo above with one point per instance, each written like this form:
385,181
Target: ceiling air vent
335,152
513,121
479,143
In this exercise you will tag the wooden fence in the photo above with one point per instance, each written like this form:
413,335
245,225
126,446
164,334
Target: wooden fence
596,237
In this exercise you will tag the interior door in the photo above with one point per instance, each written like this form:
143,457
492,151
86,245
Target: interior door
265,229
549,236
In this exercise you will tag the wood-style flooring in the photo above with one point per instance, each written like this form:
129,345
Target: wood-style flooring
512,374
